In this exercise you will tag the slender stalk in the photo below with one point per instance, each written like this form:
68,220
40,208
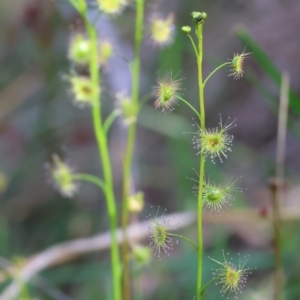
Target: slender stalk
90,178
207,285
189,105
277,186
24,292
130,146
110,119
214,71
184,238
202,161
103,152
110,198
193,44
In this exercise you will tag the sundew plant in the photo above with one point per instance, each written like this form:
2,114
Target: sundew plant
88,54
211,144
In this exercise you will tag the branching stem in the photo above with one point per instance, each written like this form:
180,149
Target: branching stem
110,119
193,44
204,288
90,178
189,105
214,71
184,238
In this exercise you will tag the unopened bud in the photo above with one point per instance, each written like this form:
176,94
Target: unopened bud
141,254
186,29
198,17
136,202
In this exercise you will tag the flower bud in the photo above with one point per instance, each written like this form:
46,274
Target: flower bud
141,254
159,235
62,177
83,90
232,277
162,30
79,49
111,7
105,52
186,29
136,202
166,92
198,17
128,109
215,142
217,197
237,65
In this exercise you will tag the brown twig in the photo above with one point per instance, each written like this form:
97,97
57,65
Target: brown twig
277,185
67,251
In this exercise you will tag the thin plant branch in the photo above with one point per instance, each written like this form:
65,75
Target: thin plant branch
214,71
206,286
189,105
185,238
278,184
90,178
193,44
110,119
282,125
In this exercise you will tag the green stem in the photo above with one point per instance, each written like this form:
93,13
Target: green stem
110,119
204,288
130,146
90,178
193,44
24,291
184,238
214,71
189,105
202,161
103,152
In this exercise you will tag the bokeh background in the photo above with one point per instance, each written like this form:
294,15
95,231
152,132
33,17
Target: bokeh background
38,118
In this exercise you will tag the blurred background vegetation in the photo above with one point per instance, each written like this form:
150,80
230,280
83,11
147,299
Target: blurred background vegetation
38,118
